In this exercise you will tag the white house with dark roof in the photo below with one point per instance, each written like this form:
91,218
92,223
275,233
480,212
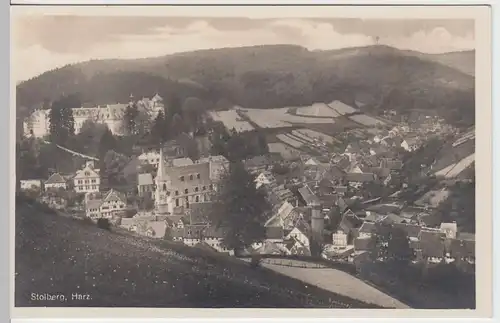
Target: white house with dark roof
113,203
56,181
145,184
87,179
31,184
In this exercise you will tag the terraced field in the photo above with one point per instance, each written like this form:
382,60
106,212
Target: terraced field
56,254
231,120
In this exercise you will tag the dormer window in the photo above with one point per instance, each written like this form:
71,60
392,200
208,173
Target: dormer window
87,173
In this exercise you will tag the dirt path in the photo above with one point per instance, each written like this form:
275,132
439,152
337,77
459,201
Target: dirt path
339,282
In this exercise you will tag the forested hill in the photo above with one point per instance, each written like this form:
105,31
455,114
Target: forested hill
269,77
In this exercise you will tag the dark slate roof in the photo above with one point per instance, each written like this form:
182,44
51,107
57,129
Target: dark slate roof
274,233
341,189
392,218
462,248
367,227
412,230
381,172
308,195
349,222
365,243
385,208
432,243
173,219
360,177
55,178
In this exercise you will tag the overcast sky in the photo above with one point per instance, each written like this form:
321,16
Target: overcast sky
43,43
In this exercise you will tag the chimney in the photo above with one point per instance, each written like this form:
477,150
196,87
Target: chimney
89,163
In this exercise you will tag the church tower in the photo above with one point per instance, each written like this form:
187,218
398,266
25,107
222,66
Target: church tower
163,200
317,221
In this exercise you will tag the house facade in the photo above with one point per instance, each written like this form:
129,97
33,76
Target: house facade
182,182
113,204
31,184
87,180
56,181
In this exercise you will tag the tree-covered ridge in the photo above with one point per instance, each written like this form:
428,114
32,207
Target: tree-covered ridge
270,77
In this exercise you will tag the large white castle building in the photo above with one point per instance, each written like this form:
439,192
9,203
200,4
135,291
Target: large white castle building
38,124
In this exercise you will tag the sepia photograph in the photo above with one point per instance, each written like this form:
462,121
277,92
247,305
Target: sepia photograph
199,161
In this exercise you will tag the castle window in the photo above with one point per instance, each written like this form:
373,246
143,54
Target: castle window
186,191
198,176
196,189
182,178
190,177
197,198
204,188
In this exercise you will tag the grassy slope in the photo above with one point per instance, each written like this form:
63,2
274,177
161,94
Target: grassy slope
268,77
55,254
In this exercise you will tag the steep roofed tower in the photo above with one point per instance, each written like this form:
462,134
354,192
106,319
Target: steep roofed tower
163,200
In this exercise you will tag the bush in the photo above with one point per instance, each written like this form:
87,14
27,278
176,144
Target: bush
104,224
255,261
87,220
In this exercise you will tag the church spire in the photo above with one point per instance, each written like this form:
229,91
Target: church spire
159,182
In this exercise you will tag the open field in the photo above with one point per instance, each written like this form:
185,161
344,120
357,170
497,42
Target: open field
286,151
340,282
341,108
289,141
56,254
317,110
455,169
308,133
280,118
366,120
231,120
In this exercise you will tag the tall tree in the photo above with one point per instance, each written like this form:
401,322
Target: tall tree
114,163
158,131
107,142
62,123
177,126
192,112
239,208
130,116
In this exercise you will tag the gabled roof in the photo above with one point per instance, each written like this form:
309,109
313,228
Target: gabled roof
274,233
179,162
360,177
432,243
93,204
364,244
145,179
114,195
92,172
412,230
55,178
174,219
367,227
308,195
